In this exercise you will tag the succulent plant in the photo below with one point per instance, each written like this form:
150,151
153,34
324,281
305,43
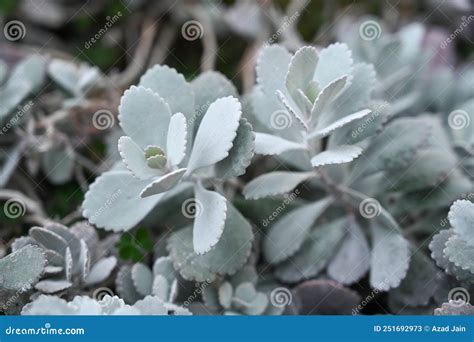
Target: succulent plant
75,258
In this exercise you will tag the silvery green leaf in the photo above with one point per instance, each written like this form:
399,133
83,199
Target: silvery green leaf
49,239
209,222
460,253
52,286
322,132
247,274
288,234
461,217
454,308
67,234
58,164
390,256
334,62
240,155
112,194
293,109
144,116
275,183
65,74
176,140
47,305
11,160
164,266
22,268
133,157
301,70
68,264
173,88
326,97
11,95
101,270
163,183
227,256
336,155
272,66
157,162
53,270
142,278
268,144
352,261
3,72
32,70
125,286
208,87
84,261
160,287
54,258
151,305
21,242
314,254
211,145
225,293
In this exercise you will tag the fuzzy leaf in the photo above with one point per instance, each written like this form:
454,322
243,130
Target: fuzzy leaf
301,69
227,256
101,270
209,223
125,286
326,97
58,164
352,260
49,239
113,194
211,144
142,279
461,217
240,155
272,66
21,268
164,266
334,61
163,184
144,116
322,132
52,286
176,140
275,183
268,144
337,155
133,157
460,253
225,293
160,287
288,234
